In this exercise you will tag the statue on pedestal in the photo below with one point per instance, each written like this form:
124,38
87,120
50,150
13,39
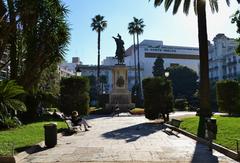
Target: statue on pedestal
120,52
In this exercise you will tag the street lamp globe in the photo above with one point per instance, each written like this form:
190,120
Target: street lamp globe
78,70
166,74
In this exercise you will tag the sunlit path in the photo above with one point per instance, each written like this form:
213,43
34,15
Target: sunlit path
126,139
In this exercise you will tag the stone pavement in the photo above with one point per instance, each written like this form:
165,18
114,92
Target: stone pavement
126,139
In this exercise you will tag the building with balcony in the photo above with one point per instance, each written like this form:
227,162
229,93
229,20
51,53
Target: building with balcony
223,61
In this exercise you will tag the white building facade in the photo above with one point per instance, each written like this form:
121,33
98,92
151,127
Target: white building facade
172,55
223,61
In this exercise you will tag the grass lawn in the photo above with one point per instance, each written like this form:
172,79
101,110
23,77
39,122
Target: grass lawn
228,129
24,136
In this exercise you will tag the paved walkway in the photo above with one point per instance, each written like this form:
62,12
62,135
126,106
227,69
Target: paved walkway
126,139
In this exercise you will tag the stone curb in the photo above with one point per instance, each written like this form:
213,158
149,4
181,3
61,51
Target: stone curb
230,153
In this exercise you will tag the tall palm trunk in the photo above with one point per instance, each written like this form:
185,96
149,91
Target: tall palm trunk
139,77
98,66
13,37
135,62
205,110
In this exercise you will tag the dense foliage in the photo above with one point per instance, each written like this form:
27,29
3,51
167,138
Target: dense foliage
10,103
181,104
93,89
74,95
158,68
158,97
236,19
184,81
38,39
228,95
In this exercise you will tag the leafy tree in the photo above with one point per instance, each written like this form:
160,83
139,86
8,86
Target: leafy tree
228,94
184,81
50,80
200,10
158,68
236,19
46,32
98,24
93,88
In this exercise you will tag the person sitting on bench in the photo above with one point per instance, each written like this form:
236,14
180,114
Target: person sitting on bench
77,120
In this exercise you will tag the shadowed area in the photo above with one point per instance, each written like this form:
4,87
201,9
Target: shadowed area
134,132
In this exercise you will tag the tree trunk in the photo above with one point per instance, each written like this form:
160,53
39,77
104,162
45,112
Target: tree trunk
135,62
13,37
98,66
205,110
139,76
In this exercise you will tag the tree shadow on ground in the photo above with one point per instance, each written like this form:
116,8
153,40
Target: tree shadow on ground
132,133
203,154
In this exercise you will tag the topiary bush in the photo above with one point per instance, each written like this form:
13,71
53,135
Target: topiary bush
228,95
158,97
181,104
74,95
103,99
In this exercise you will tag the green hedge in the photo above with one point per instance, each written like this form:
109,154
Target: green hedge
158,97
228,96
74,95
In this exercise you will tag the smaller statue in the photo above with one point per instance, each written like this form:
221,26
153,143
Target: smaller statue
120,52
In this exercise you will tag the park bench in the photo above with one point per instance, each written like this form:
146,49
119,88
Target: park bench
71,127
175,123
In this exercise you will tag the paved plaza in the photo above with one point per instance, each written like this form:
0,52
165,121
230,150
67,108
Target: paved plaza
126,139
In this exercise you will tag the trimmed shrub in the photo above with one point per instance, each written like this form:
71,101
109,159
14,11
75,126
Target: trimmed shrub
158,97
181,104
228,95
103,99
74,95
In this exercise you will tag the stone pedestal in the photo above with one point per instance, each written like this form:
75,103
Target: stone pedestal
120,94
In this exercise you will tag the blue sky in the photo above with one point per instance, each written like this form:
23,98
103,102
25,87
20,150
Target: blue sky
176,29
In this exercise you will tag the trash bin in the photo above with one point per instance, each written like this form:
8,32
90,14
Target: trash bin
50,132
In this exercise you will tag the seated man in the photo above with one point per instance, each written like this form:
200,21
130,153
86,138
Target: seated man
77,120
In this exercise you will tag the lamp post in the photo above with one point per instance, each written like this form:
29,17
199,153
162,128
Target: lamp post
78,70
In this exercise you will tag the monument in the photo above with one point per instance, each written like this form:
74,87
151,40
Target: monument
120,95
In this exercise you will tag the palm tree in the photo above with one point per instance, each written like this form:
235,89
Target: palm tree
131,30
98,25
13,39
46,36
138,30
200,10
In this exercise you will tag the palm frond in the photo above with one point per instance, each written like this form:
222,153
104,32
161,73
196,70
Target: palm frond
157,2
176,6
16,105
98,23
167,4
213,5
228,2
186,6
195,6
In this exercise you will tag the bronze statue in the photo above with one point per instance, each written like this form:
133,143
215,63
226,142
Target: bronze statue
120,52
